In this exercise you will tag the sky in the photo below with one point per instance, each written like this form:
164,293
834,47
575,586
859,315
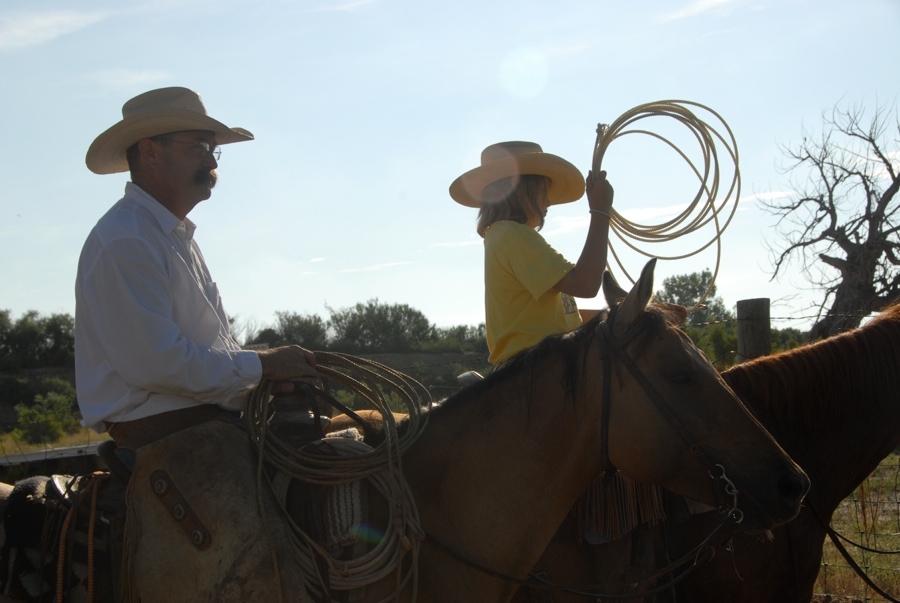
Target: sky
364,112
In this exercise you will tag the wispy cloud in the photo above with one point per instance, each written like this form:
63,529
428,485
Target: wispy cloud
456,244
377,267
128,78
695,8
644,215
766,196
341,7
30,29
562,225
648,215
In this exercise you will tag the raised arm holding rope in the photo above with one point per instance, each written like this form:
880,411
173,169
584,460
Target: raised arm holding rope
529,286
585,278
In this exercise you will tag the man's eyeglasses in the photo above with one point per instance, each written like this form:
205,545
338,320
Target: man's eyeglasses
200,149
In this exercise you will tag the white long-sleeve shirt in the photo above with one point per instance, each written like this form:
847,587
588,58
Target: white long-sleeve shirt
151,334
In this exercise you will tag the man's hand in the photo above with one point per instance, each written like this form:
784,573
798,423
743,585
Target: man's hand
288,364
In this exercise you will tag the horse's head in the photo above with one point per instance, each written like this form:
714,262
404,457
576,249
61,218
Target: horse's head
695,436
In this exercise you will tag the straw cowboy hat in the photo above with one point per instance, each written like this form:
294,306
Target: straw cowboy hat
151,114
510,159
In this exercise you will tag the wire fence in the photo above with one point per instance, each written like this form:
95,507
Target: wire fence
871,517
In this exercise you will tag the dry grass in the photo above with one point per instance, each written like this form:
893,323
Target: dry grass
10,445
13,467
871,517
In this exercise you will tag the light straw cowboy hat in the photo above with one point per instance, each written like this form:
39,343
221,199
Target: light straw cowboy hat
511,159
151,114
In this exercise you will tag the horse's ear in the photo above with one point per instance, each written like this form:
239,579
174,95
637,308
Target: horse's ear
611,290
637,299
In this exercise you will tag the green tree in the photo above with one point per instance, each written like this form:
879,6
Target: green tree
268,336
376,327
19,389
787,339
713,327
33,341
687,289
47,419
5,327
459,338
308,330
59,341
23,342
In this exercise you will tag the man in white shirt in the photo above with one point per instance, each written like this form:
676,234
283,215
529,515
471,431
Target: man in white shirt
153,348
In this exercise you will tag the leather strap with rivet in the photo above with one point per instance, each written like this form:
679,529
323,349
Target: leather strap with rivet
164,488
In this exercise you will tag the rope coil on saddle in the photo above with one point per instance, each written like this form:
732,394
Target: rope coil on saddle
377,385
707,204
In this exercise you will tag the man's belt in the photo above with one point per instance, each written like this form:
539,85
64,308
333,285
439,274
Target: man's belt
140,432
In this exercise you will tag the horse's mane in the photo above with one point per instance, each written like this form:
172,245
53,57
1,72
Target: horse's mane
524,367
843,374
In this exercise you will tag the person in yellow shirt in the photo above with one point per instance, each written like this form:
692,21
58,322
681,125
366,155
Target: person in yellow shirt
529,286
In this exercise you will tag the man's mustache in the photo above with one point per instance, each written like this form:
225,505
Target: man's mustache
206,178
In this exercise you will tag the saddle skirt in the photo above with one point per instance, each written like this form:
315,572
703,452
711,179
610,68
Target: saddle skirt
198,526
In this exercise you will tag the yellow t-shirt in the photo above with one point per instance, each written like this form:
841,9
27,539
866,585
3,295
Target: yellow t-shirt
521,307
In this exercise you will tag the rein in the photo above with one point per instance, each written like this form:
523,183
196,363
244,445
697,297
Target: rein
836,540
703,552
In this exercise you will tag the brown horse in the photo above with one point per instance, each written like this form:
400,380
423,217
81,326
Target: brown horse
834,406
500,465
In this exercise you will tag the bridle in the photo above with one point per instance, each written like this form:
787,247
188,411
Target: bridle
615,350
727,494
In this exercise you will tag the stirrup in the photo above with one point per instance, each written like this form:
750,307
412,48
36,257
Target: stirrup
119,461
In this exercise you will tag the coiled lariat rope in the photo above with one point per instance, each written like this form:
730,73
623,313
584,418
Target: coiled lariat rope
374,384
706,206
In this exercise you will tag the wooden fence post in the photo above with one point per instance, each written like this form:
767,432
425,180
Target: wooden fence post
754,336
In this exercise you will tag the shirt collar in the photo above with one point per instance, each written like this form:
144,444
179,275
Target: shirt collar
168,221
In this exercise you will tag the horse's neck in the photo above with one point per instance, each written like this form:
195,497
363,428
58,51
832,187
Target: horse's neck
495,476
849,433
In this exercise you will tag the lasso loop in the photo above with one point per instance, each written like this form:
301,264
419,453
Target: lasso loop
706,206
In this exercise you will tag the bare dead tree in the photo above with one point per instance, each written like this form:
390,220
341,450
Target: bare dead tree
841,223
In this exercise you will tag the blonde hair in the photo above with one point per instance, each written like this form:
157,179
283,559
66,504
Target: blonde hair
514,198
